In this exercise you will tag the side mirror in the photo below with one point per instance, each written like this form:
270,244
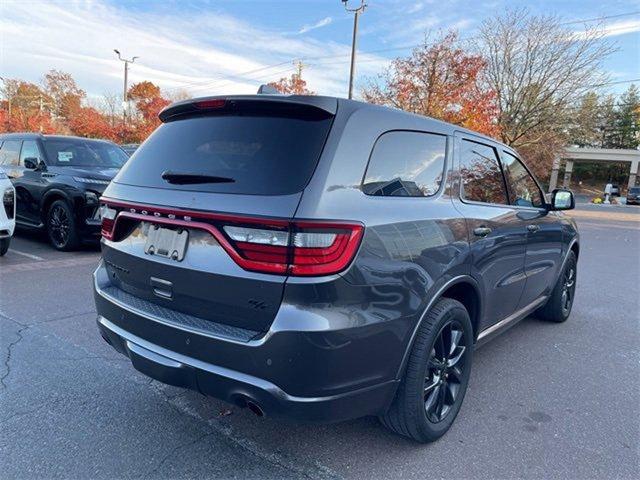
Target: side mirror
562,199
31,163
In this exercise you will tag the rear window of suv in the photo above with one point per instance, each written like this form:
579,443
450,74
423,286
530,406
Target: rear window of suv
241,153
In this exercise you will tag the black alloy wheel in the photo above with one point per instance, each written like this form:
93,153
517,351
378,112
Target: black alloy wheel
568,289
445,371
436,376
61,226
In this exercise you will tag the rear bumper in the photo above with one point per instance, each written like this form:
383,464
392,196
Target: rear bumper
238,388
314,375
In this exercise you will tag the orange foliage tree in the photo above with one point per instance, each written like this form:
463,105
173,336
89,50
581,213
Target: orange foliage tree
148,101
58,106
442,81
293,85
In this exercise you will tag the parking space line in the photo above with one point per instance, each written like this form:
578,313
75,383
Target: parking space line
28,255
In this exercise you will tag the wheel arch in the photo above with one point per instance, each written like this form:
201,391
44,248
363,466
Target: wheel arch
50,197
462,288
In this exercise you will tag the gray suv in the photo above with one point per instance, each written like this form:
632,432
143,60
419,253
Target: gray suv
325,259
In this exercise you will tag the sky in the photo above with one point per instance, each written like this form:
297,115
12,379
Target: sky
232,46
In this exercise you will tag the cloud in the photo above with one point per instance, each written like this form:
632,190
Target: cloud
319,24
620,28
608,30
204,52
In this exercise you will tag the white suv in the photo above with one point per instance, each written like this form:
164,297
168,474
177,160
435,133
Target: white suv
7,212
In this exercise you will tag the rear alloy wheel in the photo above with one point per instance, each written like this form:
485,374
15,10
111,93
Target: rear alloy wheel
430,394
444,371
61,226
558,307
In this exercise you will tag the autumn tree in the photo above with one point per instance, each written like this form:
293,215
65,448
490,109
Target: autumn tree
66,95
26,107
148,101
293,85
442,81
89,122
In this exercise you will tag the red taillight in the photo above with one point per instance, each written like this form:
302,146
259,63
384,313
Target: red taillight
108,219
298,248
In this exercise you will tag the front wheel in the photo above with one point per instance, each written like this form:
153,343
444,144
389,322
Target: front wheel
558,307
4,245
430,394
61,226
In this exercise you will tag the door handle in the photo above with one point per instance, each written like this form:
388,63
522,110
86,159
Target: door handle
533,228
481,231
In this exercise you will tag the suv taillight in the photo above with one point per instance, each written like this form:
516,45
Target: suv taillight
108,220
298,248
9,202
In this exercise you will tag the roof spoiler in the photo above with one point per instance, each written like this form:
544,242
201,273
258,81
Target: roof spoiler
233,102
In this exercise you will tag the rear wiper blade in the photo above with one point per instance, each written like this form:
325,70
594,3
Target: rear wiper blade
186,178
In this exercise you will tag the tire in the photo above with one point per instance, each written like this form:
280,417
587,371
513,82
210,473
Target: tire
413,412
558,307
61,227
4,245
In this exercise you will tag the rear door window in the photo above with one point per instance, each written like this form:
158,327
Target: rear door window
523,189
10,153
481,175
243,153
406,164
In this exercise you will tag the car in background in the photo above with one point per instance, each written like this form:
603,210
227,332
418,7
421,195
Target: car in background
58,181
633,196
129,148
7,212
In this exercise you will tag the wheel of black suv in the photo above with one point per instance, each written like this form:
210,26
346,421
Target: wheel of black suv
558,307
4,245
61,226
436,377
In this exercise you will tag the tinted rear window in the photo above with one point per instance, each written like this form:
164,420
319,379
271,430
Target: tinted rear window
261,154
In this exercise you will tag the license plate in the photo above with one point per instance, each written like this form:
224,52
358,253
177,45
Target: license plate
166,242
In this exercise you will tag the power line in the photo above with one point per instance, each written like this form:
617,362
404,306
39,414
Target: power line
475,37
208,83
248,72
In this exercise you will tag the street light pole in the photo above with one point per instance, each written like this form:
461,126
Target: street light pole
126,78
354,42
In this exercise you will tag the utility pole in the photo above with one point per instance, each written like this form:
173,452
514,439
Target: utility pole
126,77
357,11
299,66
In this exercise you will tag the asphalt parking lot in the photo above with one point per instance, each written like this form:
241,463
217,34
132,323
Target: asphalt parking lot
545,400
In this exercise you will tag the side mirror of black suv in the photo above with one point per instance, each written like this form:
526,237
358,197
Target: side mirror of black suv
562,199
31,163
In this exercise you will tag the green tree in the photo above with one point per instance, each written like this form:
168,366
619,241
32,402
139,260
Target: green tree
584,130
627,119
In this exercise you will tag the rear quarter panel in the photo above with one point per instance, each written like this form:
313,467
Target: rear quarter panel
412,245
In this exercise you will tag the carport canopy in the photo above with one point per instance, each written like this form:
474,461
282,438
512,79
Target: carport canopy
577,154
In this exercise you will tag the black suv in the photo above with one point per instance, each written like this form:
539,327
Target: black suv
58,182
325,259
